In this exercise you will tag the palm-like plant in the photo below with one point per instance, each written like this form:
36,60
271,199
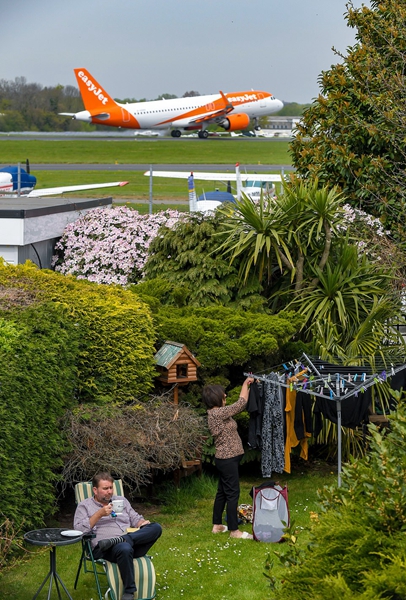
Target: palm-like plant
253,233
280,233
345,290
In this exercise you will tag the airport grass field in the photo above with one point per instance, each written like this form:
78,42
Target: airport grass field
134,151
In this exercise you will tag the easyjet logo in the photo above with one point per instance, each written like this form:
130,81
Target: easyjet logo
98,92
244,98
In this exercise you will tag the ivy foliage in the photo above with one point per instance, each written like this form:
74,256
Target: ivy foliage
61,342
352,135
358,545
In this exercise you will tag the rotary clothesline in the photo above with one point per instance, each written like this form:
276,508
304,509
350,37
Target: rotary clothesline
300,377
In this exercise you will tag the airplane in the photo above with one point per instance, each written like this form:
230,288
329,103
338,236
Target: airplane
16,181
232,111
255,183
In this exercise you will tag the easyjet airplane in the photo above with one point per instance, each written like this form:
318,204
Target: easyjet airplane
232,111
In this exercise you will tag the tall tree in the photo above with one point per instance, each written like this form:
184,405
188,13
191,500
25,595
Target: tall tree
353,135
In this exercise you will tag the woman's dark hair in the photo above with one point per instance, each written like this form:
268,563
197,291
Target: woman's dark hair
213,395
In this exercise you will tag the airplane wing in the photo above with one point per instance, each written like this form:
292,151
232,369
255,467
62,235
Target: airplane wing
72,188
204,176
216,115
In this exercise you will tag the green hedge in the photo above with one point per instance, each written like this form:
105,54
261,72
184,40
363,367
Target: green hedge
227,341
62,342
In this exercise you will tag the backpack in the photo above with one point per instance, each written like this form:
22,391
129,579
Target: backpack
270,512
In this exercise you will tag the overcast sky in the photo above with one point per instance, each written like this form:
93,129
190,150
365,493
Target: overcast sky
144,48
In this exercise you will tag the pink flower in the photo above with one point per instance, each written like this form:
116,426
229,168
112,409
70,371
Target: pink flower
110,245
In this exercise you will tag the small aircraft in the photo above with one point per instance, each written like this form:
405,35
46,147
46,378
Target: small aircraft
18,181
232,111
254,184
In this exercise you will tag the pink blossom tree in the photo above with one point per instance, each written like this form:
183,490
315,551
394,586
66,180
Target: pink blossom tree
109,245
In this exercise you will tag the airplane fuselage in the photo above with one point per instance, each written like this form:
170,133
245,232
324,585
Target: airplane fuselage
163,114
232,111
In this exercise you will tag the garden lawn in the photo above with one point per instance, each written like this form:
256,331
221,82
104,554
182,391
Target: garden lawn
190,561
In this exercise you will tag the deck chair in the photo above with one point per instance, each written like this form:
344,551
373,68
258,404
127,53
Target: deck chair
144,571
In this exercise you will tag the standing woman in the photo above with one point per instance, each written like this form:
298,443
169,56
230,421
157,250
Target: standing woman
229,451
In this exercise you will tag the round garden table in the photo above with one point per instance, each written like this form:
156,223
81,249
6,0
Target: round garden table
52,537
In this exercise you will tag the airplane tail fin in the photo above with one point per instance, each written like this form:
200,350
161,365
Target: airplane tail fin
95,98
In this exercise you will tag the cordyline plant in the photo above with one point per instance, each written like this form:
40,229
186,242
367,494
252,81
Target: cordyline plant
109,245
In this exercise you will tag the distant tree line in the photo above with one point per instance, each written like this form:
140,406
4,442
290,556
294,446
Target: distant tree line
32,107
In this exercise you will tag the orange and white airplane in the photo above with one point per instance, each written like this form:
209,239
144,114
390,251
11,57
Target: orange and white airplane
233,111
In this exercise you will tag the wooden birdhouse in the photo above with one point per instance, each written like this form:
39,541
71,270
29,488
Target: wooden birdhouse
176,365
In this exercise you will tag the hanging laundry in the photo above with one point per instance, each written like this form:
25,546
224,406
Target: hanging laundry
255,408
272,459
298,422
354,411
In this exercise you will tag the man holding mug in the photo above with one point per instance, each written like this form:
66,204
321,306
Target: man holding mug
109,517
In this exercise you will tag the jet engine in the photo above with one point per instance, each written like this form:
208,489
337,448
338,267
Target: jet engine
235,122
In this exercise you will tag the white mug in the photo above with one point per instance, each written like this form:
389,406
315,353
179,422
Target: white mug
118,506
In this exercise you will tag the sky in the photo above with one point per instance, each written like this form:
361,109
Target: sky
144,48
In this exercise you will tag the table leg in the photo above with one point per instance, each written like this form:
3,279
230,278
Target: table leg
53,575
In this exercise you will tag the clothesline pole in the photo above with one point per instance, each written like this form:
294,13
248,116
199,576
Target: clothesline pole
334,395
339,443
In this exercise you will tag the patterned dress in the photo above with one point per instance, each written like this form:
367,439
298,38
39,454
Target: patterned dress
273,450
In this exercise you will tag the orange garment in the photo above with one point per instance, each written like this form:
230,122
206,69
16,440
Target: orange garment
291,439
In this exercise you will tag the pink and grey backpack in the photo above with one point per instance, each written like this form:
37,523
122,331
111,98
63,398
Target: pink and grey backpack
270,512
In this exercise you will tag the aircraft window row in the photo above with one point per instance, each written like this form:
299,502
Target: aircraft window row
143,112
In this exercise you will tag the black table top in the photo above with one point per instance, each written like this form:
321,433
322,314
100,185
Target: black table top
50,537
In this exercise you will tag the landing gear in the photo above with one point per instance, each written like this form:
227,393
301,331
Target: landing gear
175,133
257,127
203,134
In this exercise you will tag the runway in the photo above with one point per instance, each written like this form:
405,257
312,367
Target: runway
159,167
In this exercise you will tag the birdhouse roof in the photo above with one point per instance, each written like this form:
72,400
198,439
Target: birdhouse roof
170,352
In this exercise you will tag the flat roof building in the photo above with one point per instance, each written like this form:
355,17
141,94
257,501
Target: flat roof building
30,227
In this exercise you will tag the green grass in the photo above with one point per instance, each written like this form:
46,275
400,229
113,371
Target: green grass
163,190
190,561
133,151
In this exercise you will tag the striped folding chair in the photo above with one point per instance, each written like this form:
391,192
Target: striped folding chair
144,571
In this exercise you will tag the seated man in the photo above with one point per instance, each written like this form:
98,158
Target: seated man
112,542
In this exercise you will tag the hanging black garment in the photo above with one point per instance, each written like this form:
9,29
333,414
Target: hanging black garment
273,447
354,411
255,407
303,415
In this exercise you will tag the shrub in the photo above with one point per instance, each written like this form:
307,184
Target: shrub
187,256
141,438
61,341
109,245
227,341
358,545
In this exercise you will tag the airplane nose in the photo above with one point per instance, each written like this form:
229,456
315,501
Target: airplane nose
280,104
